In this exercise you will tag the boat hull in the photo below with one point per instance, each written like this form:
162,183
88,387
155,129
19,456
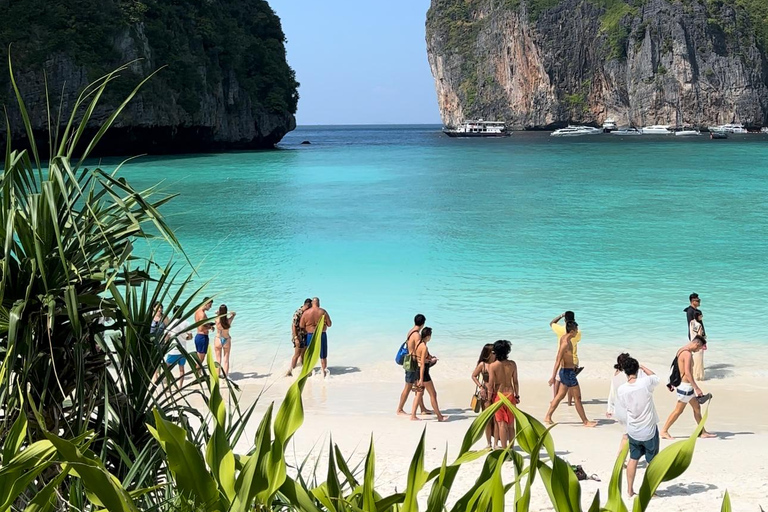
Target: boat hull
470,135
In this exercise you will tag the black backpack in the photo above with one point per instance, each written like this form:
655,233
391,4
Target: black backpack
675,378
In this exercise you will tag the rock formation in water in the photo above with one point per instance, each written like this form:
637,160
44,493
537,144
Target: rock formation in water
226,84
547,63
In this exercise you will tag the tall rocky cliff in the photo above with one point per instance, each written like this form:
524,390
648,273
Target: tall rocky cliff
545,63
226,83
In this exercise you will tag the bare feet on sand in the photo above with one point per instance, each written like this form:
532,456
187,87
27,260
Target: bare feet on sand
590,424
441,418
548,421
414,418
401,412
707,435
665,435
427,412
630,493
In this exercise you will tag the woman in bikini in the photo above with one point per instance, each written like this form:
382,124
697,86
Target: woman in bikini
486,358
223,341
426,361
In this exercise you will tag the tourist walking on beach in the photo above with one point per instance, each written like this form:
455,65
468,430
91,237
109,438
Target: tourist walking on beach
308,323
481,378
618,379
299,336
223,341
503,379
559,330
178,333
412,374
635,400
426,361
567,370
203,329
684,384
696,328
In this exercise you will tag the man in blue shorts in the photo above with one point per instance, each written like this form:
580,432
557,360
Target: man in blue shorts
308,323
178,333
203,329
636,399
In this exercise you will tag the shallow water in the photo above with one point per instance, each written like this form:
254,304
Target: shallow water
488,238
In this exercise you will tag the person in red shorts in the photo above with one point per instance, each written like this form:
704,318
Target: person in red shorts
502,375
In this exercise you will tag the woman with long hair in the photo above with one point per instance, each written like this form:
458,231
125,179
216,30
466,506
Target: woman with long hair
426,361
159,321
223,340
481,371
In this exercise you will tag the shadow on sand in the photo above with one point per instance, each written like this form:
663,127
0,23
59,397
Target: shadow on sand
718,371
235,376
343,370
685,489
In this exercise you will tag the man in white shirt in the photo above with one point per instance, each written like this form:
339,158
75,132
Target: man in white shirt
178,332
636,398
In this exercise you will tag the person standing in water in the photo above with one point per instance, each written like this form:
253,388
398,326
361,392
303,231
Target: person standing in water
308,323
426,361
567,369
684,384
411,377
299,336
559,330
483,386
203,329
503,379
223,341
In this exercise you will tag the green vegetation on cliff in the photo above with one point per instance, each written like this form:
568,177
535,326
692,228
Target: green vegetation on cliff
201,42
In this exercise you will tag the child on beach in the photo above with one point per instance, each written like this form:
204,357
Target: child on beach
481,370
223,341
426,361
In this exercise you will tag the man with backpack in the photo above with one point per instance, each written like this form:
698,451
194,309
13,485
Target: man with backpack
412,374
682,381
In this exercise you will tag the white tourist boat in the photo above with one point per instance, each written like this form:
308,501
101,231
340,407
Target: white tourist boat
657,129
609,125
764,129
729,128
687,133
631,131
479,128
575,131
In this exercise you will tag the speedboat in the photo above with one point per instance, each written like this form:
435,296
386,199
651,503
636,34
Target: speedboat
609,125
657,129
575,131
715,134
627,131
479,128
687,133
729,128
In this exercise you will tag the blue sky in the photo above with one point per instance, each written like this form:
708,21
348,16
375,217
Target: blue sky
359,62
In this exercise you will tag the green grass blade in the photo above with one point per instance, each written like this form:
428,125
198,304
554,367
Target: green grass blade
218,453
369,498
615,502
43,500
726,507
417,477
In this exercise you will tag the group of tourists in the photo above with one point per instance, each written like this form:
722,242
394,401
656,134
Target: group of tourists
303,326
630,400
171,327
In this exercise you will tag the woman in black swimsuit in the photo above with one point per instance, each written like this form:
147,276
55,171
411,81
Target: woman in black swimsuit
425,380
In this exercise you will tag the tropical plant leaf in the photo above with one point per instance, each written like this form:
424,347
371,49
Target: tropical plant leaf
417,477
726,507
615,502
218,453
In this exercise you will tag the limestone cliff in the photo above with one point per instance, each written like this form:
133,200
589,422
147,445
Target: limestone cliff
545,63
226,83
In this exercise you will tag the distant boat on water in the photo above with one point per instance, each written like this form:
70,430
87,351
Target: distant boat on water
687,133
657,129
479,128
575,131
729,128
609,125
631,131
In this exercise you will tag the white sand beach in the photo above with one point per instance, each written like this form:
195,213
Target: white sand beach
359,401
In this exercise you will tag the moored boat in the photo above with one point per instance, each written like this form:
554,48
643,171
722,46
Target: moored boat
479,128
609,125
657,129
729,128
687,133
631,130
575,131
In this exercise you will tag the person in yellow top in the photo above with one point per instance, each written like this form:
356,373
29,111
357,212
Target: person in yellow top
559,330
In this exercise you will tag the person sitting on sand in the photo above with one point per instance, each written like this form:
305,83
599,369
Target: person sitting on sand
203,329
696,328
411,377
309,321
564,362
223,340
426,361
298,336
559,330
684,383
635,400
503,379
484,391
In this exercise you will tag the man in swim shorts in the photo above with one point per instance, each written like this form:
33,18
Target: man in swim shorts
502,378
559,330
309,321
567,370
411,377
299,336
687,392
635,399
201,338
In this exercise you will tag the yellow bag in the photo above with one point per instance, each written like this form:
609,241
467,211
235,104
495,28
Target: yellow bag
476,404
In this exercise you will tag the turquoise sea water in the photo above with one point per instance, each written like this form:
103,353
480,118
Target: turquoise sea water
487,238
